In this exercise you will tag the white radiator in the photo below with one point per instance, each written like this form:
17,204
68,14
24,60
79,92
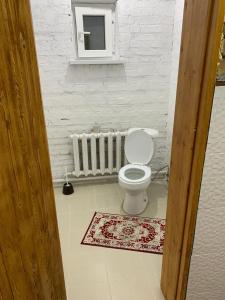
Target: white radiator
97,154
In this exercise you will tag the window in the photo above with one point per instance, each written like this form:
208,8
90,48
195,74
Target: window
94,26
96,32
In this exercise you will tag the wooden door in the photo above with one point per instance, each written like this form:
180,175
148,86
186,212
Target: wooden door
202,27
30,256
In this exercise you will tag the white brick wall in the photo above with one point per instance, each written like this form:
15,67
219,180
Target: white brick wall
77,98
207,270
177,30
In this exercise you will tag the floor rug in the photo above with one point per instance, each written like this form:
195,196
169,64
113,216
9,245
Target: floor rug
126,232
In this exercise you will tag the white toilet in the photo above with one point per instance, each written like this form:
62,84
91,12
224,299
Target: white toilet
136,176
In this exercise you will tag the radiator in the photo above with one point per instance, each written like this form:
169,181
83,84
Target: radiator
98,154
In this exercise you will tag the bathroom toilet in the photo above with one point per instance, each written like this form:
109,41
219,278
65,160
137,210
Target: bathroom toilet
135,177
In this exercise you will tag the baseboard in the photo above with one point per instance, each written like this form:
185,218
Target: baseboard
103,179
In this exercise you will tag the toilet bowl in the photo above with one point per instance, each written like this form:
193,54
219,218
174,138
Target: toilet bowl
135,177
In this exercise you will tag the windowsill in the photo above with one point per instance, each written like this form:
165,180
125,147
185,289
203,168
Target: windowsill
97,61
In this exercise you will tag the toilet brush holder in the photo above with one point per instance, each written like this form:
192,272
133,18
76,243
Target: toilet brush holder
67,187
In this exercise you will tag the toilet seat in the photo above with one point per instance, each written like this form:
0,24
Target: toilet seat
124,171
139,147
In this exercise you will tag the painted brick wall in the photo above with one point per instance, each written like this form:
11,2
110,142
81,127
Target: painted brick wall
78,98
177,30
207,270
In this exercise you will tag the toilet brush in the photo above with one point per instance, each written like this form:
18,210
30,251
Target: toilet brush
67,187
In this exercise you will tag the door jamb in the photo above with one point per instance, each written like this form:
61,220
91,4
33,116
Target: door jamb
202,27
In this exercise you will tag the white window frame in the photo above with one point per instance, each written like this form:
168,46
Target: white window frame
94,11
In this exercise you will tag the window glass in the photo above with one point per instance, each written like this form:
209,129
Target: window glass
94,38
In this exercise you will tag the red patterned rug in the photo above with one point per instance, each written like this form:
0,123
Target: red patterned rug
126,232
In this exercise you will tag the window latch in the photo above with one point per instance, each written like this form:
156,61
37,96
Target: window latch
82,33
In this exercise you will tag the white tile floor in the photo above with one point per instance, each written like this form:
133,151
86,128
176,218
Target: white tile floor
96,273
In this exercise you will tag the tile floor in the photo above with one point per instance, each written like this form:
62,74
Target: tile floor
95,273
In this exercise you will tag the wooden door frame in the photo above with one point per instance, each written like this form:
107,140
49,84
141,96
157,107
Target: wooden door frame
30,255
202,27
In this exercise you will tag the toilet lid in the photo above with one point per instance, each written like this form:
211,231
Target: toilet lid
139,147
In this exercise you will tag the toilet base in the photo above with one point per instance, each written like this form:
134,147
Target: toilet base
135,202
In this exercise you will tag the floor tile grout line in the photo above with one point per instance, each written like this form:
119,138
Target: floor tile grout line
108,282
